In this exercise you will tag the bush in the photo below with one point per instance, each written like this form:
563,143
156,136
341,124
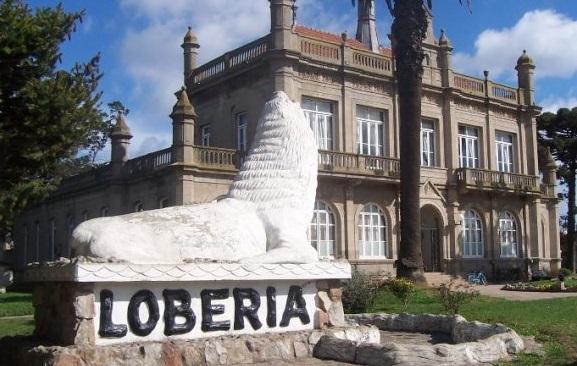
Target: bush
358,293
452,296
565,272
403,290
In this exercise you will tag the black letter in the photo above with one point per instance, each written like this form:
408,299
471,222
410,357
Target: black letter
171,311
208,310
136,325
271,307
295,295
240,311
107,327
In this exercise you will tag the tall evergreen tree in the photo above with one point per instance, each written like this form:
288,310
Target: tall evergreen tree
558,131
47,115
408,33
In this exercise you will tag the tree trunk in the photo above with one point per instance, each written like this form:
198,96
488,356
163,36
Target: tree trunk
569,255
408,32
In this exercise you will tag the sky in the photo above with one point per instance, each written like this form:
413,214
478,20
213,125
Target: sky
141,59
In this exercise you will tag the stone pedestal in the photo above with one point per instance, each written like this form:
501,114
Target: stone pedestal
110,303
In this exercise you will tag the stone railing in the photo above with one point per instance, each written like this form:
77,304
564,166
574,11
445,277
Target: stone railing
548,190
339,162
372,62
504,92
469,84
490,179
230,60
319,50
149,162
214,157
329,161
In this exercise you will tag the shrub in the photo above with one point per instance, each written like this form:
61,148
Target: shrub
358,293
452,296
565,272
403,290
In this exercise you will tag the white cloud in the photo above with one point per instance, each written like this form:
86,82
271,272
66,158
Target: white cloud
548,36
152,57
552,103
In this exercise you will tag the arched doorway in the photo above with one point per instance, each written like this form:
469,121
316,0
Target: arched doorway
431,235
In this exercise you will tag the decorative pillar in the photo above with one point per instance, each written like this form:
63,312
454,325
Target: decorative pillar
190,46
120,139
366,25
446,60
183,122
525,73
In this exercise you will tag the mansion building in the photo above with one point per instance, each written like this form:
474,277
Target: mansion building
487,193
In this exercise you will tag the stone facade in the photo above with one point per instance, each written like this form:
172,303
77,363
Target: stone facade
488,197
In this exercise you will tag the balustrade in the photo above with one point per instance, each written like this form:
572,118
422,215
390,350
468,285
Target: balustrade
497,180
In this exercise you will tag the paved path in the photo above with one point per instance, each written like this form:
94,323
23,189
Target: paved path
495,291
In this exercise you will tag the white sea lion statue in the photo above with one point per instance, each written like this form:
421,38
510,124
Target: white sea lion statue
263,219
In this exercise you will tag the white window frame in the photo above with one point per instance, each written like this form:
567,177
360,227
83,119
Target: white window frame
428,143
372,233
370,131
508,235
469,147
320,114
205,135
505,152
472,236
241,131
322,230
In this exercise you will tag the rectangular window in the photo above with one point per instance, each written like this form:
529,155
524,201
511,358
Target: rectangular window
320,116
205,135
370,129
241,125
468,147
505,158
427,142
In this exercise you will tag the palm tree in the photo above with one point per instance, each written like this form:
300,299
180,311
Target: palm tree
408,32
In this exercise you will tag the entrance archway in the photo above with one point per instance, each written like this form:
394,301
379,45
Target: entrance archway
431,236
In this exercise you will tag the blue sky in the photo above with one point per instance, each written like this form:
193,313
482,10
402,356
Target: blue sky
139,41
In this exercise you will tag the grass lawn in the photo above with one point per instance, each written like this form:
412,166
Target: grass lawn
552,322
15,304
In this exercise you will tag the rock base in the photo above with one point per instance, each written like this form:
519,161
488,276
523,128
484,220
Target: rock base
473,342
229,350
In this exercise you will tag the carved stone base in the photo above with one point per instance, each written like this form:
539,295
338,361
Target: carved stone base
85,303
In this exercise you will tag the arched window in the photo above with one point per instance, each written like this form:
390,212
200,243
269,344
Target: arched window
163,203
138,206
103,211
472,237
322,230
372,232
508,235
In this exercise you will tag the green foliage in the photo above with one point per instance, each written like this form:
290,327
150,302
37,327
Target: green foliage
358,293
558,132
47,115
403,289
453,296
566,272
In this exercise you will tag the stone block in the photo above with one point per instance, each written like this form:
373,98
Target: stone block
331,348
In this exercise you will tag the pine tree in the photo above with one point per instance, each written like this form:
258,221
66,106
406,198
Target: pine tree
558,132
47,115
